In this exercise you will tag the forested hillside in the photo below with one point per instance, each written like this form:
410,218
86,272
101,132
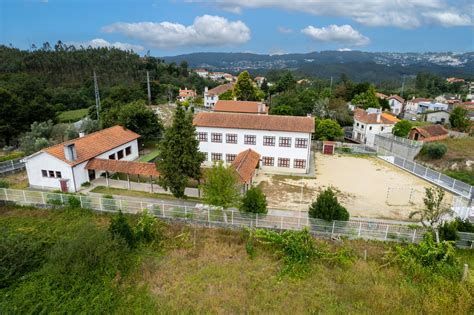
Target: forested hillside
39,84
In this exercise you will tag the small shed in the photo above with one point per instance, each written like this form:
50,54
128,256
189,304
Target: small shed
329,147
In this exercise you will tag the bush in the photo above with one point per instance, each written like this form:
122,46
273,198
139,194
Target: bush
448,231
119,227
12,156
254,201
328,208
402,128
464,225
86,184
73,202
4,184
146,229
434,150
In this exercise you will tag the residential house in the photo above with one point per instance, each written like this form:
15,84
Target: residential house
283,142
381,96
64,166
437,116
212,96
371,122
396,103
470,94
203,73
259,81
431,106
412,105
241,107
186,95
454,80
428,133
470,107
448,99
229,77
216,76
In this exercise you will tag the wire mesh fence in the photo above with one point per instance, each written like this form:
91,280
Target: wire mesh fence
212,216
11,165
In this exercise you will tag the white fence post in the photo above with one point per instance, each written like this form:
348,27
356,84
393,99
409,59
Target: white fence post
163,209
24,196
414,235
120,204
185,213
360,229
141,205
6,195
208,216
80,199
62,198
42,195
232,217
386,233
333,226
13,165
100,205
256,220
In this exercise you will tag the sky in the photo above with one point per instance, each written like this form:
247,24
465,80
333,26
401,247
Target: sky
171,27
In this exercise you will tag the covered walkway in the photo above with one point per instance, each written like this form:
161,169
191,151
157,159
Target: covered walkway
245,164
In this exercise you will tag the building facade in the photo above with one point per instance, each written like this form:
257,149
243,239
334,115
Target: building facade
62,167
369,123
212,96
396,104
437,117
283,142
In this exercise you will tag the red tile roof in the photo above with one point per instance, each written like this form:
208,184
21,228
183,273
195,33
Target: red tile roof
398,98
420,99
257,122
366,118
218,90
240,107
127,167
187,93
381,95
94,144
431,131
245,163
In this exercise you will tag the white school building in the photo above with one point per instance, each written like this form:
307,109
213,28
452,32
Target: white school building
283,142
63,166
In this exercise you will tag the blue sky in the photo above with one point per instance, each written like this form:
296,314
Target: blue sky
169,27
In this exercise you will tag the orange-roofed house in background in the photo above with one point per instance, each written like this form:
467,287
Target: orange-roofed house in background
396,103
247,107
212,96
186,95
63,166
371,122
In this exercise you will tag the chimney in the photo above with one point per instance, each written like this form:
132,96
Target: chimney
206,89
379,113
70,152
81,134
235,98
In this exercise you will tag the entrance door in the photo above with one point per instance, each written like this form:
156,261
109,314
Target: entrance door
91,175
63,184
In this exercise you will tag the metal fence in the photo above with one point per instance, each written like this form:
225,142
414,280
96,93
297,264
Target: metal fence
211,216
456,186
348,148
409,142
12,165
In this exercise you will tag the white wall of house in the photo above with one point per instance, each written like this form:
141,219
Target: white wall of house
36,163
395,106
434,117
365,133
210,100
428,106
293,153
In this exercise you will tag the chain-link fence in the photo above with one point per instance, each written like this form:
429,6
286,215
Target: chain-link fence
12,165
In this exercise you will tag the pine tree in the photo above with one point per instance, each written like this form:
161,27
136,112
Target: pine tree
328,208
179,156
244,89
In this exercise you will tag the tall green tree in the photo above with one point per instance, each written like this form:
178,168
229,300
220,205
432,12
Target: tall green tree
327,129
402,128
179,157
221,187
244,89
327,207
366,99
459,119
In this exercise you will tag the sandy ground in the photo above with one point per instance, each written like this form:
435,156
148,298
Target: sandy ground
367,187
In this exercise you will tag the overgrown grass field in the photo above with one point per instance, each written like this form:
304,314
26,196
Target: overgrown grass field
73,115
66,261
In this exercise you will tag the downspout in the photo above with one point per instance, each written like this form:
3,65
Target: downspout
73,179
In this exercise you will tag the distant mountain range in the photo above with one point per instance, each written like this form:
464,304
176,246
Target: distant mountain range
358,65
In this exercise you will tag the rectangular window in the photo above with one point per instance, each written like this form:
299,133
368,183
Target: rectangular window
299,163
58,174
231,138
301,143
44,173
250,139
119,154
285,142
112,157
268,161
283,162
216,156
269,141
230,158
216,137
202,136
51,173
128,151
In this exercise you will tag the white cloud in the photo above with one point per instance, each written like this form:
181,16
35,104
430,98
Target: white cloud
206,30
343,34
398,13
344,49
284,30
448,19
100,42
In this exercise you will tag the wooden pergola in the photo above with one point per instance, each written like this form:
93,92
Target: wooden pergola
125,167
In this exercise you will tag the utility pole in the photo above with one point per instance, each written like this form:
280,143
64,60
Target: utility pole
402,114
403,86
330,88
148,86
97,96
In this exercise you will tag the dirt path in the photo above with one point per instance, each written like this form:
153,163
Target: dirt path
367,186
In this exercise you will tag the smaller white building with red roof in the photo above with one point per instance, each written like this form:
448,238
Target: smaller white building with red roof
396,103
371,122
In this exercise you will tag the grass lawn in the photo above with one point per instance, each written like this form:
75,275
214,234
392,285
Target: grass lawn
150,156
134,193
73,115
65,261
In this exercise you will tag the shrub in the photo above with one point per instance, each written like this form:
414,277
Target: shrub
464,225
86,184
434,150
54,199
448,231
4,184
12,156
328,208
73,202
402,128
254,201
119,227
146,229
